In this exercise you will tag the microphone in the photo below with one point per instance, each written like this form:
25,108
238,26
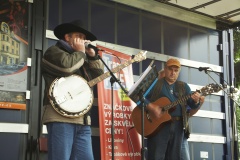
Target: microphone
203,68
89,45
233,89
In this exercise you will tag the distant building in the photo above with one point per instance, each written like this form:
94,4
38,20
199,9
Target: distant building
10,46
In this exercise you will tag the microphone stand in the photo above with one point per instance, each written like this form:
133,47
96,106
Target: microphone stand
231,96
113,79
142,99
146,81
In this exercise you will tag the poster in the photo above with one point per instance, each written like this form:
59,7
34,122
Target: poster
13,54
127,142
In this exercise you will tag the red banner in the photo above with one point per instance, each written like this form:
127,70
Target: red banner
127,143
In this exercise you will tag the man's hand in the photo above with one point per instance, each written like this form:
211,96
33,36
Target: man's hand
78,45
196,97
90,51
155,111
201,99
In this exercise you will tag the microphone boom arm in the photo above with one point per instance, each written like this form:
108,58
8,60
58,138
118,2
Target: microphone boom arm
221,87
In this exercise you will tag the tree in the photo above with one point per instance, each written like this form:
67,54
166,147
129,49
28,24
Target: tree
236,39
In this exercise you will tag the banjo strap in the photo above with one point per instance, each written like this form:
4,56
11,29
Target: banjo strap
85,72
87,117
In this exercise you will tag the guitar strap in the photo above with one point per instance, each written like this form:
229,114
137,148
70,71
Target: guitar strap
86,74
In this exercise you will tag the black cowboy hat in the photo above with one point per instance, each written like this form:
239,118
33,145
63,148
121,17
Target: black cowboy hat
74,26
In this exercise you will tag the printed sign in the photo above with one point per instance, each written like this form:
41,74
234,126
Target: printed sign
126,140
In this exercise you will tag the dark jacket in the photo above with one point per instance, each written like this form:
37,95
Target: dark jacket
56,63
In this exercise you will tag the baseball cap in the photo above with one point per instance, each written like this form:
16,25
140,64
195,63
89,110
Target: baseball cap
173,62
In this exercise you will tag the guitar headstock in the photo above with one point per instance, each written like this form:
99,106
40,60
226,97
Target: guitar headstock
140,56
210,88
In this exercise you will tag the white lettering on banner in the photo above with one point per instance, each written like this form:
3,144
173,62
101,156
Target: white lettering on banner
135,154
125,123
107,122
118,115
120,154
118,140
122,108
122,115
107,114
110,147
116,131
107,106
117,107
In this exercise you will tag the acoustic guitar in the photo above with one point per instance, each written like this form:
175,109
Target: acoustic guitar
151,124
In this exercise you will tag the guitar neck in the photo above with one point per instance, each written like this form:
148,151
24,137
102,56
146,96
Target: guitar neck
211,88
180,100
107,74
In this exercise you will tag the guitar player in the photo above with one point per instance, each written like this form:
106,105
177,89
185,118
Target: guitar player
185,148
169,142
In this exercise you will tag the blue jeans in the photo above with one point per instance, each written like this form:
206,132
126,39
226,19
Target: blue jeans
185,149
68,141
167,143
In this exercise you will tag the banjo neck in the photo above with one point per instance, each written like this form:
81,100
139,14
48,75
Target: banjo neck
139,57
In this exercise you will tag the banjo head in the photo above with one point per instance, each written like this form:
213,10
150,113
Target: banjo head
71,96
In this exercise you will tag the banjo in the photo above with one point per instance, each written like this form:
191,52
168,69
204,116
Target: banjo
72,96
